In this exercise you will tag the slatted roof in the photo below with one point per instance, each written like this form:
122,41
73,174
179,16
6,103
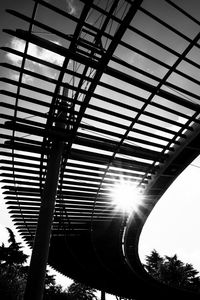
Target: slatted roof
123,78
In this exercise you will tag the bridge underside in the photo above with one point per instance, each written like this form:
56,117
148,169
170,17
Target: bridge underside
123,83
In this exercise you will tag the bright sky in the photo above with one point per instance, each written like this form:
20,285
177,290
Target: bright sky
172,227
173,224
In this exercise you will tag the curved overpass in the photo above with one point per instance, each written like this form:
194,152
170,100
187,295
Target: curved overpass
117,86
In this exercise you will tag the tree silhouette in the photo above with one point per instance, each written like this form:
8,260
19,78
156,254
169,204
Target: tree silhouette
13,276
80,291
154,264
12,255
172,271
12,272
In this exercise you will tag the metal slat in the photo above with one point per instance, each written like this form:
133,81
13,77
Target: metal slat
22,109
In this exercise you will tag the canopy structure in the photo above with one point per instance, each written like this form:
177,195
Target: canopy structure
117,84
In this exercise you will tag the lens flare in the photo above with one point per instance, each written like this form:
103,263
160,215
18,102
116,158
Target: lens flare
125,196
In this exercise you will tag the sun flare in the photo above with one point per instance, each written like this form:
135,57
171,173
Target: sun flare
125,196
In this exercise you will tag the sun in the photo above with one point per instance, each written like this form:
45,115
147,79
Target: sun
125,196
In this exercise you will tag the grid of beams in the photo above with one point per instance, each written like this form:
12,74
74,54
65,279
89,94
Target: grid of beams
130,110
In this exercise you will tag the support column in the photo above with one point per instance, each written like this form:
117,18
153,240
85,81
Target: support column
103,295
37,272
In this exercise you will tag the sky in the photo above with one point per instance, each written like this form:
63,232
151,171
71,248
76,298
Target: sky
172,227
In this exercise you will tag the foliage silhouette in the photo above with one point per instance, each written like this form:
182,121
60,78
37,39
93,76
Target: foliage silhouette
172,271
12,272
13,276
81,291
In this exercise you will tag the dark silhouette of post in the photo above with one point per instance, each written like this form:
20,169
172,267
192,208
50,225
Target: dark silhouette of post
103,295
37,272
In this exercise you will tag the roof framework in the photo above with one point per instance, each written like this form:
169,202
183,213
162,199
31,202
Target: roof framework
130,98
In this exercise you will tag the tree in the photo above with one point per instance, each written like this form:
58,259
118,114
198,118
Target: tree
12,255
12,272
13,277
153,265
52,290
172,271
80,291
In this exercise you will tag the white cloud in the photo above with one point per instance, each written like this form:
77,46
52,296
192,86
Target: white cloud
26,78
18,45
71,8
46,54
35,51
38,52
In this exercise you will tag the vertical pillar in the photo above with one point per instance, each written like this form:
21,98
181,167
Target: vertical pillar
103,295
37,272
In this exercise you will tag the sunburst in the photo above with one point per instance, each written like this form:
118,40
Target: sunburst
126,196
